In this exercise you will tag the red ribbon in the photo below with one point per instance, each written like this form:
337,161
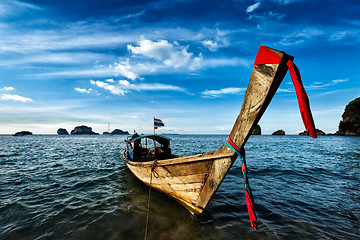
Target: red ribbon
251,209
248,194
303,100
266,56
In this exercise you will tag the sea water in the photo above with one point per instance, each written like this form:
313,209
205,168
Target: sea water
78,187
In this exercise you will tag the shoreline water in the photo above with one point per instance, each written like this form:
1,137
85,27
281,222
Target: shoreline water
172,134
78,187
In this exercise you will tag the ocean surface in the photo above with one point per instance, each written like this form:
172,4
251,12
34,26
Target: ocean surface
78,187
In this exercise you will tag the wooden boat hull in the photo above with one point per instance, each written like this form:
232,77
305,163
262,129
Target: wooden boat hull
192,181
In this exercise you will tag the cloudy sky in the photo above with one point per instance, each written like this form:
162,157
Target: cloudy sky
188,62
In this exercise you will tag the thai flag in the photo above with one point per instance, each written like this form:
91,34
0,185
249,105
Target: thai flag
158,123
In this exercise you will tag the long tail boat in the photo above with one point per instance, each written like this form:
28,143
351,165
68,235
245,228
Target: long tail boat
193,180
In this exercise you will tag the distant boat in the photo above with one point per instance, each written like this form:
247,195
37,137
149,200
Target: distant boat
193,180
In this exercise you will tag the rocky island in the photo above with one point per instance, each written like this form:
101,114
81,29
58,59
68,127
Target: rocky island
319,132
119,132
279,132
62,131
350,124
83,130
22,133
257,130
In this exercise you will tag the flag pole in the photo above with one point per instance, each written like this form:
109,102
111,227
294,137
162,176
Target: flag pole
154,135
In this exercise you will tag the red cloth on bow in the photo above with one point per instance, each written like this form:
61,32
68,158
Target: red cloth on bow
303,100
266,56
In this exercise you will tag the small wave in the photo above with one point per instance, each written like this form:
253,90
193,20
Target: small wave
56,165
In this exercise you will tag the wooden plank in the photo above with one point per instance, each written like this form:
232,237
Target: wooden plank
216,175
189,169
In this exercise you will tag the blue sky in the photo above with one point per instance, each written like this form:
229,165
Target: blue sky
66,63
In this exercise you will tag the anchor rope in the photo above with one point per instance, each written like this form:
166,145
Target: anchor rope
156,175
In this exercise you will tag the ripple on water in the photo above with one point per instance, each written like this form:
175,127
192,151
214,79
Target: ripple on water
77,187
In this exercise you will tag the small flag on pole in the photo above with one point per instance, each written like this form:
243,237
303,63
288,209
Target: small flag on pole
158,123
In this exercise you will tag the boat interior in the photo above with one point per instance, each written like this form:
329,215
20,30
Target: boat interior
146,148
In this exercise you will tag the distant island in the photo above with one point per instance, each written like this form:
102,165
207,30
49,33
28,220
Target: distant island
319,132
22,133
350,124
119,132
83,130
62,131
279,132
257,130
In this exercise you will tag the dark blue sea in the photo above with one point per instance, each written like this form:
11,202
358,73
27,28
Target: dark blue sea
78,187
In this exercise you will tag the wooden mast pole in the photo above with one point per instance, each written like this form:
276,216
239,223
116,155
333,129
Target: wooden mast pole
154,134
264,81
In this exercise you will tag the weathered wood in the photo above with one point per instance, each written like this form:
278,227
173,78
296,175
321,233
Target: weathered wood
193,180
185,180
264,81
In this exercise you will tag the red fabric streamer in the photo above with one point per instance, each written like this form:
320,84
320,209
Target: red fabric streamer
251,209
243,168
266,56
248,195
303,100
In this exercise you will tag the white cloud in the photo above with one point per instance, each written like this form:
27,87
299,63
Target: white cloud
110,80
339,80
66,58
84,90
125,69
252,8
156,87
78,36
113,89
224,91
125,86
341,35
285,90
220,41
133,70
220,62
299,37
210,44
124,82
12,8
321,85
8,89
171,55
15,97
85,72
156,57
285,2
129,16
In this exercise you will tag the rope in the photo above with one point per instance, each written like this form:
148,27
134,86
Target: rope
156,175
248,194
